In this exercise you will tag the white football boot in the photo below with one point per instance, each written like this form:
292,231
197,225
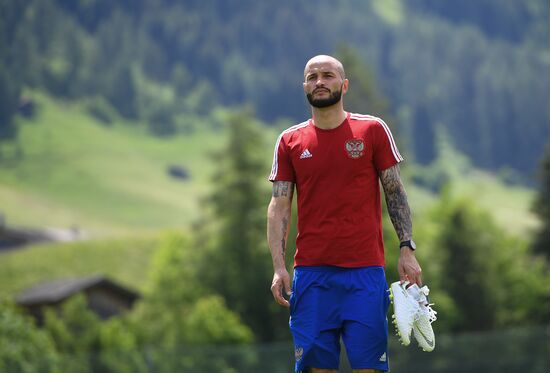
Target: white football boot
412,313
405,308
422,326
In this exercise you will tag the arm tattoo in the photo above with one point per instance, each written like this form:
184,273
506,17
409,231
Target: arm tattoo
283,189
283,239
279,212
396,200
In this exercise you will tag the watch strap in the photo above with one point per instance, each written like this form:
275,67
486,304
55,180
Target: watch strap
408,243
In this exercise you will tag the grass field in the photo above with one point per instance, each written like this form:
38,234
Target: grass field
510,206
68,170
123,260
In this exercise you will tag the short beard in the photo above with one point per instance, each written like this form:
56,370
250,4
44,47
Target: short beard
334,98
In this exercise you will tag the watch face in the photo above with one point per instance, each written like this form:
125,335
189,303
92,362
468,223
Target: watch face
409,243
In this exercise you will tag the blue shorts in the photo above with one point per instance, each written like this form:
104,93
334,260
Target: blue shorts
329,303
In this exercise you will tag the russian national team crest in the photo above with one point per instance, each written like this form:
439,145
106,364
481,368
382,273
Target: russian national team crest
298,353
355,148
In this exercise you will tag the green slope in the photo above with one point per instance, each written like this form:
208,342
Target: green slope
127,261
68,170
510,206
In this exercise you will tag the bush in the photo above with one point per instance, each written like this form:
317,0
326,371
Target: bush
75,331
23,347
120,351
489,275
177,313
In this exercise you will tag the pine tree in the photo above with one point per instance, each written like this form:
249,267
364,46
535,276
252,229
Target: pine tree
468,239
237,264
490,278
363,95
541,207
9,99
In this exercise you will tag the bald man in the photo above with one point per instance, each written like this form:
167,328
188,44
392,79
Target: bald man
336,160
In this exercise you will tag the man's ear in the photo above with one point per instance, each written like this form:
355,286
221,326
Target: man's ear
345,86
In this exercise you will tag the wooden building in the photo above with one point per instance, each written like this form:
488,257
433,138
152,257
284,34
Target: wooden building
105,297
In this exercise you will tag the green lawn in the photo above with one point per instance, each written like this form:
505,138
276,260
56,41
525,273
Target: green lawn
510,206
126,261
68,170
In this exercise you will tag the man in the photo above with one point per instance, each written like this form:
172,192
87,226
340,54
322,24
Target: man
339,290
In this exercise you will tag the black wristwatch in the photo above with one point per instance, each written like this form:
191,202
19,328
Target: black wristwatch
409,243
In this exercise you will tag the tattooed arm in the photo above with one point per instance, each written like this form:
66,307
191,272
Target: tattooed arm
396,200
278,223
400,215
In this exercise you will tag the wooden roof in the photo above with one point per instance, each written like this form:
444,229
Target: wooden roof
52,292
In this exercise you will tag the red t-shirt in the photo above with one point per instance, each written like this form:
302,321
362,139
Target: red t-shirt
336,176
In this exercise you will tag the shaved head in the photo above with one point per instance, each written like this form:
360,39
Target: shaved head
324,60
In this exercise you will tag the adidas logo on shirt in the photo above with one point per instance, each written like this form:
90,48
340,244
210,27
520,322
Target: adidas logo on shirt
306,154
383,358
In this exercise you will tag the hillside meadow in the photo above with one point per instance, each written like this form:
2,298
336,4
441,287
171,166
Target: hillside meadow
124,260
67,169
